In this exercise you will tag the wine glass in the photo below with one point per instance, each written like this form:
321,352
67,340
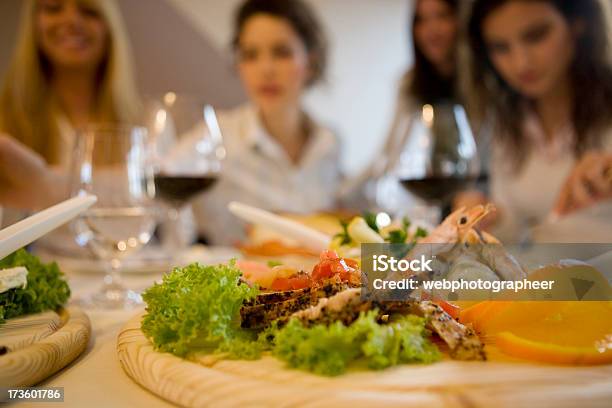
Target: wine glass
188,165
439,158
113,162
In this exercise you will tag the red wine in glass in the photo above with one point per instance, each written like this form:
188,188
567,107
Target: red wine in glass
178,189
439,157
187,165
442,189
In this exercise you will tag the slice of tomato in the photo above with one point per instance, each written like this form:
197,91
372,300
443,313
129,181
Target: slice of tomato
339,266
352,263
345,276
293,283
299,282
328,254
451,309
322,270
331,265
280,284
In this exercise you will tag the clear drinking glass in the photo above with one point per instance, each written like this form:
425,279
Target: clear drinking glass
439,158
114,163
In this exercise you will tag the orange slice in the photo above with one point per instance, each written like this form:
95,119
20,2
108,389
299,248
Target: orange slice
568,332
473,313
482,312
507,315
520,347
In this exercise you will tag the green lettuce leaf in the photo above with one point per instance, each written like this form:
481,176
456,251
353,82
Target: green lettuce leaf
329,350
46,288
197,308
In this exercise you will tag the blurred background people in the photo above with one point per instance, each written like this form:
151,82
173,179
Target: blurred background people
543,73
431,80
71,67
278,156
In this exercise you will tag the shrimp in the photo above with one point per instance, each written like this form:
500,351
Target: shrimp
459,226
456,228
456,238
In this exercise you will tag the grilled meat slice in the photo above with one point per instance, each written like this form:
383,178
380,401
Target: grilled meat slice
273,306
346,306
462,341
275,297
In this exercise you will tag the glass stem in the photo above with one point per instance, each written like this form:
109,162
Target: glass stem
113,276
437,207
171,238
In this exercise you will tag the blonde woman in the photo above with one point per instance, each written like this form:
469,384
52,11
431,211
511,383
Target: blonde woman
71,67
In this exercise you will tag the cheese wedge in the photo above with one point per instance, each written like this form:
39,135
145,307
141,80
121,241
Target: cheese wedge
13,278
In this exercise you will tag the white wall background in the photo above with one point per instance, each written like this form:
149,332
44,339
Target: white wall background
369,53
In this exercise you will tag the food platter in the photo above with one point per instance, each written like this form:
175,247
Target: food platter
252,334
39,345
501,381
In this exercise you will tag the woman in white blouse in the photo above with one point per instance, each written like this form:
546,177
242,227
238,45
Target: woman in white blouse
543,71
278,157
431,80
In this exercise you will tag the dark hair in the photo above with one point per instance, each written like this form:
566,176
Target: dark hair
302,19
425,83
591,78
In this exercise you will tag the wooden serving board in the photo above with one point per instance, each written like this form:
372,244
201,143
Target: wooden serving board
500,382
37,346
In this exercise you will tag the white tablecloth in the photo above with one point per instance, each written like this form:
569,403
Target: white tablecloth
96,378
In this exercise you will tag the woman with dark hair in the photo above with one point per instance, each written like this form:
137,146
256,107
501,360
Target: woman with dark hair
431,80
434,32
542,70
278,157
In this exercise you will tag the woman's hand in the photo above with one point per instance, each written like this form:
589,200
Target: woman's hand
26,182
588,183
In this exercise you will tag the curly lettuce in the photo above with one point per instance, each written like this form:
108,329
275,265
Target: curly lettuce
329,350
46,288
197,308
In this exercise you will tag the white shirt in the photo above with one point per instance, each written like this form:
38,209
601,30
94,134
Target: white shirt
526,198
258,171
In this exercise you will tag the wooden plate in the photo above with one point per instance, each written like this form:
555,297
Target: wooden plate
40,345
497,383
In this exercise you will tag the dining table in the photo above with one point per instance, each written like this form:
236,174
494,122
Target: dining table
96,378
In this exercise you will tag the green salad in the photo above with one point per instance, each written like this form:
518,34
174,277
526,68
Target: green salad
46,288
328,350
365,230
196,309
